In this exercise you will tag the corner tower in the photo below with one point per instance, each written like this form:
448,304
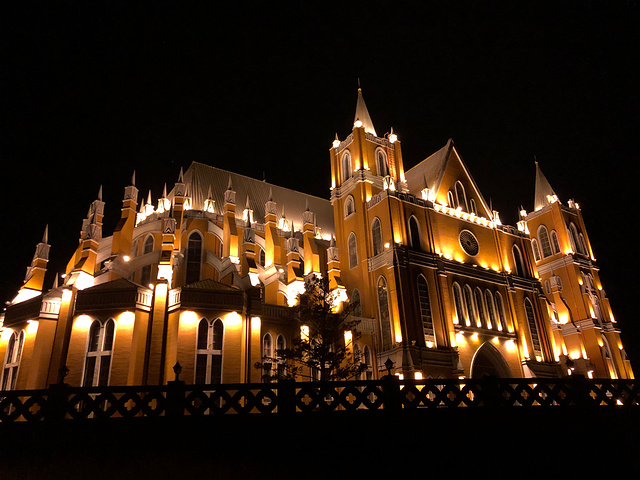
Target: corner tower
587,338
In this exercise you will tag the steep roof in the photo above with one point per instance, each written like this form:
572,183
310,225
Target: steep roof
362,114
428,173
199,178
543,189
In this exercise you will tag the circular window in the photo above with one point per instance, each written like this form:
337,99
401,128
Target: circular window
468,242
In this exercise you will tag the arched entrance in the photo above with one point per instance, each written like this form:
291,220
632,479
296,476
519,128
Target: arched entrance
489,362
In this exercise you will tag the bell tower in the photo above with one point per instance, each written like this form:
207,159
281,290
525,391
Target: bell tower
587,338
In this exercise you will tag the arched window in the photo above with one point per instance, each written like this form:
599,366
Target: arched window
583,245
352,246
451,199
376,236
573,236
425,312
194,258
281,344
349,206
555,245
517,261
99,349
356,302
502,316
347,169
543,234
267,355
414,233
459,305
461,196
385,319
491,309
12,360
382,166
469,306
536,251
533,329
148,245
209,351
261,257
472,206
134,248
366,359
481,319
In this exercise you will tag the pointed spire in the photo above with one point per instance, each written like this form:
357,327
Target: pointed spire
133,179
270,194
229,185
181,176
45,237
362,114
100,194
149,198
164,190
544,194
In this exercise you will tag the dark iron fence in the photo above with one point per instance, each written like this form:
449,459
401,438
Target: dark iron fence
61,401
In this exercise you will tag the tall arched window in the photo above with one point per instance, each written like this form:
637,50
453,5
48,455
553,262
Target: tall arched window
99,349
12,360
451,199
349,206
352,247
148,245
491,310
209,351
425,312
356,302
267,355
347,169
385,319
414,233
533,329
555,245
194,258
366,359
382,166
536,250
281,344
481,319
545,244
457,299
376,236
573,236
518,264
502,317
461,196
470,307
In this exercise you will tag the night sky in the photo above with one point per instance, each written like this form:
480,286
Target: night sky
91,93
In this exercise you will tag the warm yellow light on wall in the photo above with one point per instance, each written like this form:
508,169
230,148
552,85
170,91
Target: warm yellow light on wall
304,333
348,336
232,319
511,345
417,375
563,318
126,319
574,355
474,337
398,337
83,322
32,327
6,335
188,317
256,323
66,294
496,340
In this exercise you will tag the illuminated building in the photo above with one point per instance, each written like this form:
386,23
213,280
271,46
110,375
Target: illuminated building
207,276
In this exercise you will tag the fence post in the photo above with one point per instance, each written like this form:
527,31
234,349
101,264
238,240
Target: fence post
391,392
57,401
489,393
286,396
580,390
175,398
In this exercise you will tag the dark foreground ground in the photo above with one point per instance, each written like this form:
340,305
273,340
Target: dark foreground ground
513,443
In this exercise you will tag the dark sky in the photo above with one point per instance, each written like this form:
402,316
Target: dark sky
91,93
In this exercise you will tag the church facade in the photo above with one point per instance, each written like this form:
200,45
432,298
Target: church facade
207,277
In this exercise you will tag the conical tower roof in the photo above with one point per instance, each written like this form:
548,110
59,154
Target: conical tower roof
362,114
543,190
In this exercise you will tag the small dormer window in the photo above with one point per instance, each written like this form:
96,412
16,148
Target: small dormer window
461,196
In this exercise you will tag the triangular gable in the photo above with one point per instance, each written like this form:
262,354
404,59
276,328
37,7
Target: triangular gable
439,173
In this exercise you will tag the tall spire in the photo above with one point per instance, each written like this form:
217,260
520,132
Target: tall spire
362,114
544,194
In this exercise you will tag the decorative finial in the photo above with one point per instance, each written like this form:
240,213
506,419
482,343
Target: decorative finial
100,193
133,178
45,237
